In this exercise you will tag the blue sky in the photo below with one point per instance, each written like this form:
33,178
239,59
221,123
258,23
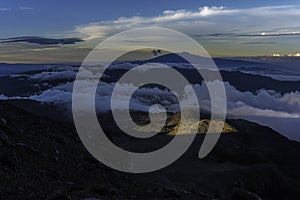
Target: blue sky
54,16
224,27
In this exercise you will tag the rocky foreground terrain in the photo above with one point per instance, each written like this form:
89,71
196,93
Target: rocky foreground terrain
43,158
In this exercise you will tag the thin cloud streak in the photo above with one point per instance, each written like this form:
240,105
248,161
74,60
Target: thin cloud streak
41,40
255,43
5,9
25,8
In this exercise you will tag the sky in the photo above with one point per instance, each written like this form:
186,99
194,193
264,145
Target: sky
65,31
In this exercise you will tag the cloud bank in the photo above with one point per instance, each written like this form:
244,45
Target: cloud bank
263,102
207,17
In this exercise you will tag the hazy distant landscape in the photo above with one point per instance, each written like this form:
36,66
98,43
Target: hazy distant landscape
263,92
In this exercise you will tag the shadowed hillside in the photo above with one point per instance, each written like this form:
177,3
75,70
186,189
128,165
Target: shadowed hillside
44,159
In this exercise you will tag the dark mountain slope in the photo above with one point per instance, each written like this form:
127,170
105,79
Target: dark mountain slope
44,159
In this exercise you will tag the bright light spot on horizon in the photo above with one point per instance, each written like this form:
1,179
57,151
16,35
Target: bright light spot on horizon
276,55
288,55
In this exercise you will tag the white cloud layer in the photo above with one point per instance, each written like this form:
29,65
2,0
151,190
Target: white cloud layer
54,75
181,19
263,103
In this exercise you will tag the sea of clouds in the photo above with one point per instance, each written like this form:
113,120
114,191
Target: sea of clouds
261,103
